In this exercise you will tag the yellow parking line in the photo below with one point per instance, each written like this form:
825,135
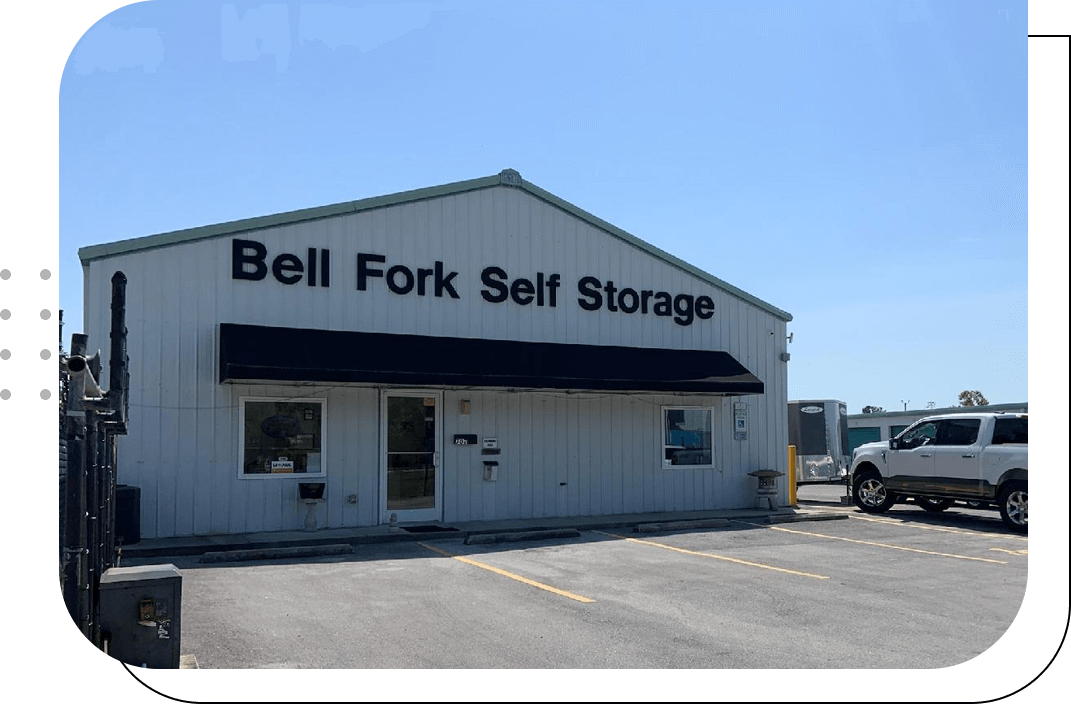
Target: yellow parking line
1010,552
880,545
911,524
504,573
712,555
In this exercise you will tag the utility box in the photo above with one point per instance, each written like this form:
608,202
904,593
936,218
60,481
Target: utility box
140,614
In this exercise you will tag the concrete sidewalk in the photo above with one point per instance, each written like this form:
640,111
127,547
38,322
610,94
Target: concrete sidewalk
199,545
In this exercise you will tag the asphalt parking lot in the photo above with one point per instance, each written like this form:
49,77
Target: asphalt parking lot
903,590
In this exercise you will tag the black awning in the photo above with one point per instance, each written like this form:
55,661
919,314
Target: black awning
260,353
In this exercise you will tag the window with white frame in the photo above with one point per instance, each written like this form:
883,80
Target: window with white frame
281,436
687,438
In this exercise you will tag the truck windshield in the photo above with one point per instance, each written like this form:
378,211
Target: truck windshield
919,435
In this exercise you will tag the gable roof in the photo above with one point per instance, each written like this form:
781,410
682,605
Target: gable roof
507,177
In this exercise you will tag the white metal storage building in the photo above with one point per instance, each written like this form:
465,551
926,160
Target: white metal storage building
397,348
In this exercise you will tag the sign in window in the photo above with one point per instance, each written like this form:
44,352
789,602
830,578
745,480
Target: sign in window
281,437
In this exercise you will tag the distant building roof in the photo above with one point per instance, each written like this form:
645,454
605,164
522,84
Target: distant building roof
919,413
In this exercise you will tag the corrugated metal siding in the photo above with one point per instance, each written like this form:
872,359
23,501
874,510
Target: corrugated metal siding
182,446
573,454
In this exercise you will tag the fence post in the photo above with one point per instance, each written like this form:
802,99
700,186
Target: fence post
93,522
75,564
64,386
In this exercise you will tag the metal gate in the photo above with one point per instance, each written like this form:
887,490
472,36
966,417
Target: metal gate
90,421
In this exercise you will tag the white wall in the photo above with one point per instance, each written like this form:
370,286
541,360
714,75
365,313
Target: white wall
606,448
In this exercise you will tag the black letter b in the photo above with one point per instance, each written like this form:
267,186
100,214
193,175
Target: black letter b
239,259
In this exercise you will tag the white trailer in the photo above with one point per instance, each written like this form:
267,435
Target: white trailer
819,430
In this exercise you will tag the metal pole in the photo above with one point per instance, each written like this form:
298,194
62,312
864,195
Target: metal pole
93,523
109,499
79,459
118,372
74,557
119,396
63,388
792,475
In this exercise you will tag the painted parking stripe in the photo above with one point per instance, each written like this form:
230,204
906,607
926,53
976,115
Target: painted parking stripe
1010,552
713,556
944,529
504,573
868,542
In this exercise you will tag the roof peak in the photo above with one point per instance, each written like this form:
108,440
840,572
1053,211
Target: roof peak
510,177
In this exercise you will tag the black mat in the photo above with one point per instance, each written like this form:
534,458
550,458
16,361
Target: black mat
427,529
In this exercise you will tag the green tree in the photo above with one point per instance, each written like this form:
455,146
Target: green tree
972,398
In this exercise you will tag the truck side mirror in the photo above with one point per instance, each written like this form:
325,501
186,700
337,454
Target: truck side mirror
894,444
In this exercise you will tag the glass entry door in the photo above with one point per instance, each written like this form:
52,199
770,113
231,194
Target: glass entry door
411,480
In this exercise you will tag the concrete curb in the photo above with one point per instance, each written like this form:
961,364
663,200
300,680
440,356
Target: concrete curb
808,517
137,552
682,525
515,536
267,548
277,553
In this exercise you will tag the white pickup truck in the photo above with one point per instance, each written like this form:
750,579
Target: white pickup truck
976,457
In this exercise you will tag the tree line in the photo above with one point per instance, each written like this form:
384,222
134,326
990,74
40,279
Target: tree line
966,399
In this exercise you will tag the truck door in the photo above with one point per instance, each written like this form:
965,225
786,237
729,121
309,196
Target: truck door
911,465
957,457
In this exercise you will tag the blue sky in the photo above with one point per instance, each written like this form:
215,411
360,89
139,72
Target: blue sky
861,165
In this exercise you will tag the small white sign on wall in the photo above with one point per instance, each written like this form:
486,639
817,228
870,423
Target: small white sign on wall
490,443
739,421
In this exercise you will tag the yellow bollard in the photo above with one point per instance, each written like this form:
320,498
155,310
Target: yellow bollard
792,476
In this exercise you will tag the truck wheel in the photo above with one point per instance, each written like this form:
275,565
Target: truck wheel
933,505
870,494
1012,504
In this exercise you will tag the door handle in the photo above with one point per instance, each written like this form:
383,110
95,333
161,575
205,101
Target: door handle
968,457
925,454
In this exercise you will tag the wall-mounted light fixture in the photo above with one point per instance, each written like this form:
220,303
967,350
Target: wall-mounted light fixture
465,407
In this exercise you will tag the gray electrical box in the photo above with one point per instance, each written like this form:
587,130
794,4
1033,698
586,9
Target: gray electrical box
140,614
